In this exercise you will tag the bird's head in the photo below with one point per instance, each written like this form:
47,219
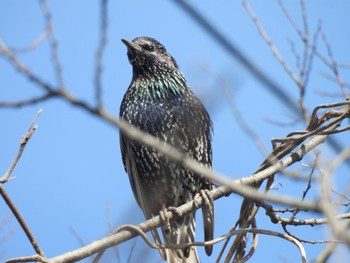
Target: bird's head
148,55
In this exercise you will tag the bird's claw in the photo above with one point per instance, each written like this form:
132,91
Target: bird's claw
164,218
207,198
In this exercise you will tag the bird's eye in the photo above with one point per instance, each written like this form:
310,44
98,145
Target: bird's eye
148,47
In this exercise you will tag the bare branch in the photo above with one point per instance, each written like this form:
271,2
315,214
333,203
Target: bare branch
21,221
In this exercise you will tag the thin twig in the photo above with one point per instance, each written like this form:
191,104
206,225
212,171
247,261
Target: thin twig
131,252
290,19
6,53
26,102
100,51
110,229
34,258
275,218
305,62
296,55
5,178
306,39
333,79
5,235
236,113
32,46
284,226
77,236
308,187
313,48
334,65
268,83
270,43
53,44
24,141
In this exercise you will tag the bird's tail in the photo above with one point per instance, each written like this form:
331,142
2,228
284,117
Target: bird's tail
174,258
181,231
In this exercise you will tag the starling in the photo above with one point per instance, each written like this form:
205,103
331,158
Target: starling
160,103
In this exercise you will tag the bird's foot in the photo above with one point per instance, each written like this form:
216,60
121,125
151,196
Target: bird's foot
175,211
165,218
207,199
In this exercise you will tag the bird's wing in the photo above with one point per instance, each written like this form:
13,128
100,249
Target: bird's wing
131,170
194,130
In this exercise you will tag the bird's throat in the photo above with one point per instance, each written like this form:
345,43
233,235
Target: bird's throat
161,88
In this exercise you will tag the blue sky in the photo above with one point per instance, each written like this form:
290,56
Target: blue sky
71,169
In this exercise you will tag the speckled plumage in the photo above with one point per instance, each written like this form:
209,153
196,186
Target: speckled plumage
159,102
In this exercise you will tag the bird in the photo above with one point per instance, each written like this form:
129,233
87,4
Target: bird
159,102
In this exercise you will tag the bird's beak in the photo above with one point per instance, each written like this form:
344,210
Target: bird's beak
132,47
